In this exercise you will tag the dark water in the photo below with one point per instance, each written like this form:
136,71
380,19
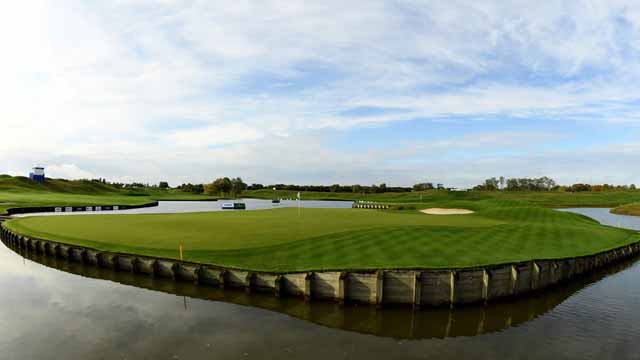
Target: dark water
52,309
165,207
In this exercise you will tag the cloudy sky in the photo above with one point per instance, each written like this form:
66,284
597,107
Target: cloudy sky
321,92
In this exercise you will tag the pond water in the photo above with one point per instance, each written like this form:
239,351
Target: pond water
166,207
605,217
53,309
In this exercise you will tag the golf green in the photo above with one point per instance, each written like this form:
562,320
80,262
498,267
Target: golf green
338,239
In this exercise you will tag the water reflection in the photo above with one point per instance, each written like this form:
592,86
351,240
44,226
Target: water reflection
394,322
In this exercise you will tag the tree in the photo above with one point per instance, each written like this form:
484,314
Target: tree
356,189
163,185
491,184
226,187
423,186
237,186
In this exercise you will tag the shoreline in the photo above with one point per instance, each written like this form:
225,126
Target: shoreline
76,208
422,287
628,210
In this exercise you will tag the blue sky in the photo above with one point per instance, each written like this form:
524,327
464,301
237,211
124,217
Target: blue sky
322,92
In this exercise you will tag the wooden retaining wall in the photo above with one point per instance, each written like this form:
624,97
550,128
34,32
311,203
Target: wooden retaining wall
423,287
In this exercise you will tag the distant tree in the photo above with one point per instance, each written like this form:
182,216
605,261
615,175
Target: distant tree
632,187
163,185
518,184
492,184
356,189
191,188
580,187
237,186
334,188
423,186
225,187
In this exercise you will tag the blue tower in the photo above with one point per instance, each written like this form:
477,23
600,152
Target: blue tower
37,174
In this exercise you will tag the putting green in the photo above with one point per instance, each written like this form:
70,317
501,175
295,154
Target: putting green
338,239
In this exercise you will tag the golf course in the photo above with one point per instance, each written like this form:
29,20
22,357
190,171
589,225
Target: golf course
502,228
16,192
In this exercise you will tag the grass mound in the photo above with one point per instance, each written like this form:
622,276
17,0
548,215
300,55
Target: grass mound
20,191
629,209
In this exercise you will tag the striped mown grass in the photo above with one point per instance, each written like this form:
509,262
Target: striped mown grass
339,239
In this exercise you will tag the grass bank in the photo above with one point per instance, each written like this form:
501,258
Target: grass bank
629,209
21,192
498,198
339,239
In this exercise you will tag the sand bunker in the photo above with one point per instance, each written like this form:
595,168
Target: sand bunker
439,211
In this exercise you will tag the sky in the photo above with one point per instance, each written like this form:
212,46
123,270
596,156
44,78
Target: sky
321,92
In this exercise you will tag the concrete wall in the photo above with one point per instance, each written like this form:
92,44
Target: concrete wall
429,287
265,282
211,276
399,287
326,285
236,279
124,263
163,268
362,288
294,284
469,286
501,281
144,266
186,272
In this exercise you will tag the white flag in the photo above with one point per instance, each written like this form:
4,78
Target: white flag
298,195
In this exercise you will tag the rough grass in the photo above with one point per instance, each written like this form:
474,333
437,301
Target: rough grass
498,198
629,209
22,192
324,239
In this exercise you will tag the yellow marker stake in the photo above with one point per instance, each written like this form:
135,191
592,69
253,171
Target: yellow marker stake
180,251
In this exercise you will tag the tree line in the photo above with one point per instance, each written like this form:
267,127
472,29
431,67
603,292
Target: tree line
357,188
544,184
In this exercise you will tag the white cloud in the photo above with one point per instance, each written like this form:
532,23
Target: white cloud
68,171
96,84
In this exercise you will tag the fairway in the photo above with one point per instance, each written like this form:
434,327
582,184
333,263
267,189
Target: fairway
338,239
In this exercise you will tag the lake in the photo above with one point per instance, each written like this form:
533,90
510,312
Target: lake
165,207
